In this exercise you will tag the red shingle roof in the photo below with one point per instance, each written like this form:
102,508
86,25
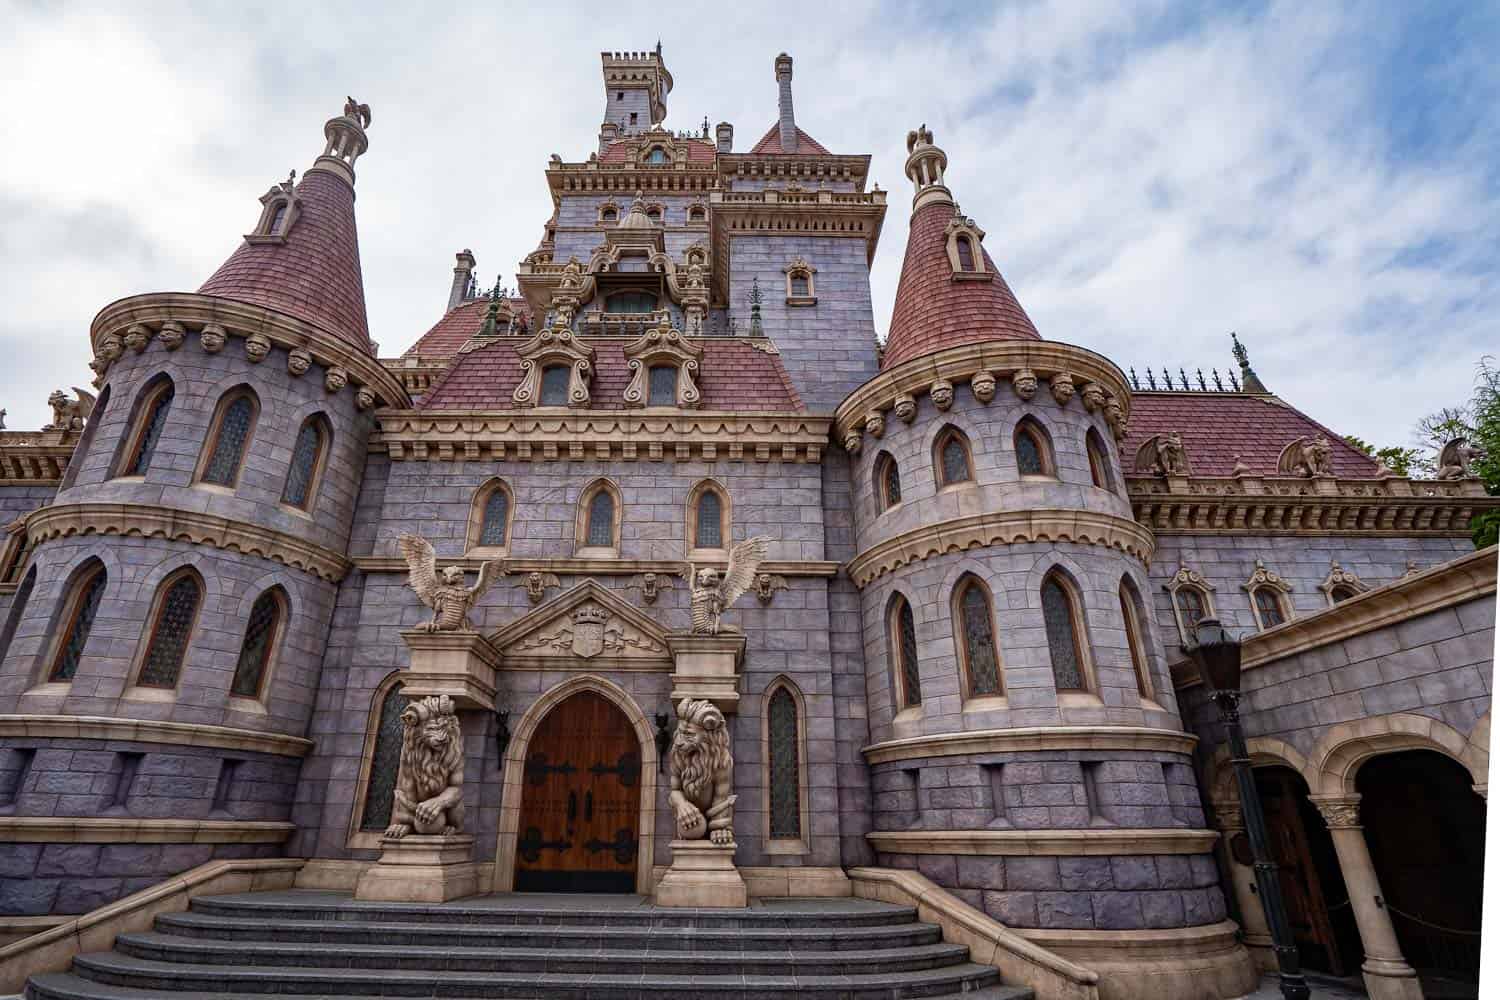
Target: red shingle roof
734,377
933,311
1217,426
771,143
314,275
699,151
457,326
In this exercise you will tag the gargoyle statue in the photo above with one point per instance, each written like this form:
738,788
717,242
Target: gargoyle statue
702,774
69,414
713,594
430,780
650,585
444,593
1457,459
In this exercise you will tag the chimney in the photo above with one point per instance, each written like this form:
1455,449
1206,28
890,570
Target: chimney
787,120
463,279
724,132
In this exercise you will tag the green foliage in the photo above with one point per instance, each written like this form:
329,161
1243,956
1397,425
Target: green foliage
1486,528
1401,461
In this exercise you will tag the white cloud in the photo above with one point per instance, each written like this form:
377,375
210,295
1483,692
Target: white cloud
1147,185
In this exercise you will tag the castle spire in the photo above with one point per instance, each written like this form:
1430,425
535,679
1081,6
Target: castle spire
925,164
786,119
1248,379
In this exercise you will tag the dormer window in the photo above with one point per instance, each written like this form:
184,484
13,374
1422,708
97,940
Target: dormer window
609,215
965,254
799,283
697,214
663,385
278,213
664,365
278,219
555,385
657,154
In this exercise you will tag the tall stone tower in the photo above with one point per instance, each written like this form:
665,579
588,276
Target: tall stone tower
636,85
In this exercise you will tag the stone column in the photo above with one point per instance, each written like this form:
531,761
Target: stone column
1387,974
1231,821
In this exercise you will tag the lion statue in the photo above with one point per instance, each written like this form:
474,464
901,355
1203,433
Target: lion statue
702,774
430,781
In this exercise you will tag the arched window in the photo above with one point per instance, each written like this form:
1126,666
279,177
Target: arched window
663,387
171,628
84,598
657,155
150,419
976,638
490,522
1033,450
1062,618
1134,638
608,215
555,385
887,481
229,438
952,454
277,218
262,631
1098,460
903,653
1268,607
654,214
965,254
599,517
630,302
85,442
696,214
307,462
17,609
384,760
710,525
784,785
1192,606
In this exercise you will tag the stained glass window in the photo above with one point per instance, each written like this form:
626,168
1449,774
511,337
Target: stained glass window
223,465
1029,453
906,655
496,511
786,775
555,385
979,642
1062,637
663,385
170,632
602,519
255,651
710,527
892,482
965,254
1269,604
152,423
1133,640
1098,460
955,459
85,606
305,454
380,791
1190,605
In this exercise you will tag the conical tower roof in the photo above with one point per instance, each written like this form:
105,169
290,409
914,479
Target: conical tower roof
940,303
307,266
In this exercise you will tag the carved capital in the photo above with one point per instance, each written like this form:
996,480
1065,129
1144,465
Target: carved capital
1338,811
1229,816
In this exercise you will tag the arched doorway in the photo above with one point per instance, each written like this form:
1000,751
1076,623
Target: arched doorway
579,828
1425,829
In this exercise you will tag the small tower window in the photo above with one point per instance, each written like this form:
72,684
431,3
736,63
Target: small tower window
633,118
1129,601
307,461
495,516
230,438
965,254
170,630
277,218
83,607
257,646
663,385
696,214
1033,456
630,302
158,403
784,772
903,644
1342,593
1061,618
1098,460
555,385
654,214
977,639
1268,606
598,527
887,482
953,459
619,95
385,760
800,286
710,525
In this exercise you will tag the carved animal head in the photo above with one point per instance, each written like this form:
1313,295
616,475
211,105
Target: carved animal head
453,576
700,748
431,746
708,577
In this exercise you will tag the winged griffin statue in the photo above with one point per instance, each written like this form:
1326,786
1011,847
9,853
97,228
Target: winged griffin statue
713,593
70,414
444,592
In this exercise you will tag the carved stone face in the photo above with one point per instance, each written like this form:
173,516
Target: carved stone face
110,347
875,424
1024,382
211,339
942,394
852,442
906,407
364,399
708,578
453,576
436,734
171,335
257,346
1093,396
135,338
688,737
298,361
983,385
1062,388
335,379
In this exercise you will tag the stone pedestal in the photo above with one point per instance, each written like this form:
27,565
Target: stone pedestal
702,874
418,869
707,667
460,665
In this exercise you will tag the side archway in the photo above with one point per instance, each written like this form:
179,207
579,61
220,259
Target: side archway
514,776
1337,758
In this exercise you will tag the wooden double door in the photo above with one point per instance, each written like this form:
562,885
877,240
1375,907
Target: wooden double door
581,801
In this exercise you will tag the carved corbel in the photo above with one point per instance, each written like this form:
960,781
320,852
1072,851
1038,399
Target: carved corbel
983,385
906,407
171,335
875,424
942,394
335,379
212,338
364,398
298,360
1024,383
1093,396
137,337
257,347
853,440
1062,388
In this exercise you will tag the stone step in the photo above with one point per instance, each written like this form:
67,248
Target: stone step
625,938
172,979
554,911
447,958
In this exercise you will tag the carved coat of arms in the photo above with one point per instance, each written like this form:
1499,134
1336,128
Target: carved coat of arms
588,631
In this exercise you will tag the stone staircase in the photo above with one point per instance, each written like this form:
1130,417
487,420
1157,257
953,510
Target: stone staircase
305,944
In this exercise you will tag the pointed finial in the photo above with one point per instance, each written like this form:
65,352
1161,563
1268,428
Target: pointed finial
1135,383
492,314
1251,381
755,299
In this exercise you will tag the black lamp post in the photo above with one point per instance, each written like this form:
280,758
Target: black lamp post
1217,654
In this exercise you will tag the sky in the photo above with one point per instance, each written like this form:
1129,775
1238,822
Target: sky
1321,178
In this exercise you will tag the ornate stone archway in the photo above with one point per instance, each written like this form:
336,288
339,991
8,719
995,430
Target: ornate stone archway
1335,761
513,775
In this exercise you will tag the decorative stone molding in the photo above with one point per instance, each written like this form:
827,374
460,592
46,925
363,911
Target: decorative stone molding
298,361
1179,963
257,347
461,435
334,379
875,425
1030,739
173,313
588,627
460,665
766,585
1338,811
1001,528
1229,816
35,457
1340,578
537,583
1044,843
906,405
555,347
197,527
1463,579
669,569
88,727
119,830
941,392
137,337
1000,358
663,345
1334,762
651,584
212,338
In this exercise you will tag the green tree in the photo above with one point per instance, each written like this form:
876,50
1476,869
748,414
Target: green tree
1485,434
1401,461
